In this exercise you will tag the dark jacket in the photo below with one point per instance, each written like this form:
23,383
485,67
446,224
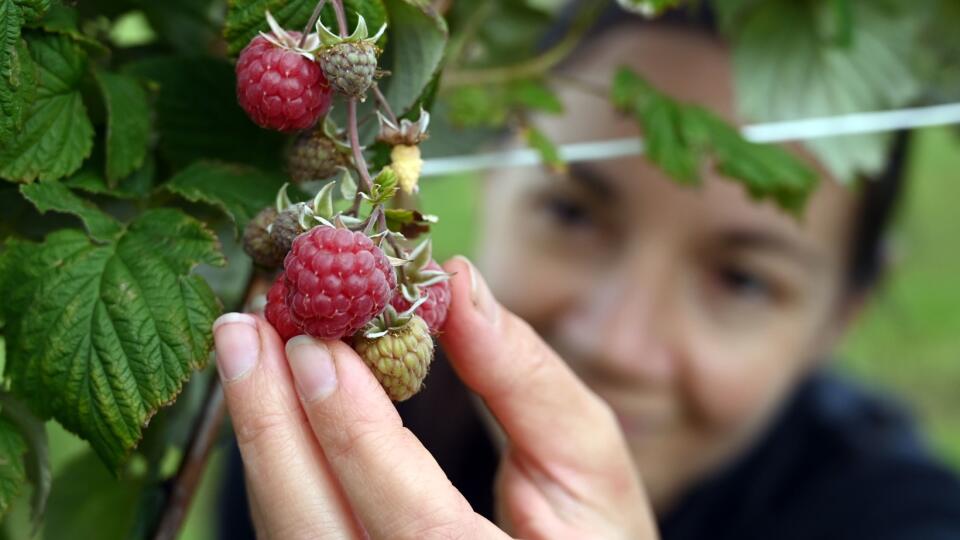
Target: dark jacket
836,463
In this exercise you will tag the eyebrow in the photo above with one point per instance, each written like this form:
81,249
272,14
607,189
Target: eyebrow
597,183
771,242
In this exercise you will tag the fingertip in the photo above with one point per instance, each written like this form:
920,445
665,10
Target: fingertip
237,343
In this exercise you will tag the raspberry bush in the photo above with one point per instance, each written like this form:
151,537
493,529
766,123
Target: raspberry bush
161,162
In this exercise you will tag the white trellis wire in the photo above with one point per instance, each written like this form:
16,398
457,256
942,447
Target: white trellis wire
774,132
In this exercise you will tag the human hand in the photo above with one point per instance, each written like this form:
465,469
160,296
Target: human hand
326,455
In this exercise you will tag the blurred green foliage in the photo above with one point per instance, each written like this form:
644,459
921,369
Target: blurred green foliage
909,338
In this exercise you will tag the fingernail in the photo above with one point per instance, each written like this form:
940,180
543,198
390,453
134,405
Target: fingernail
480,293
312,367
238,345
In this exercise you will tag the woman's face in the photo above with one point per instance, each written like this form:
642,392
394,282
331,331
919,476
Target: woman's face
692,310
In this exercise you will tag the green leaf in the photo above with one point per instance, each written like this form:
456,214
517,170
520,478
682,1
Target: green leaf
77,511
101,336
128,123
135,186
47,196
32,10
791,61
15,92
409,223
57,134
682,139
417,38
37,459
539,141
13,473
17,74
198,116
536,95
241,192
245,18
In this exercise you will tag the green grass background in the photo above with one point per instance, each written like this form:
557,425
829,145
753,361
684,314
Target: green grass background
908,340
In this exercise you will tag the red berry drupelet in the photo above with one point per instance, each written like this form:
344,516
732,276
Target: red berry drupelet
337,281
277,312
434,310
280,88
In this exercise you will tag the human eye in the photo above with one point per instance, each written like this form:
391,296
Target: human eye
567,212
744,283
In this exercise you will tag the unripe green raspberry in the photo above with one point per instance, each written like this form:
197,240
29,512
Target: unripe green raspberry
314,156
350,67
257,241
399,359
286,228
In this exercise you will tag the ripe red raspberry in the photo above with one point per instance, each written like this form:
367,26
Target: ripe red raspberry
277,312
434,310
279,87
337,281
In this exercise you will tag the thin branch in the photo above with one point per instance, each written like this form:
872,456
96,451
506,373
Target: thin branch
384,104
354,134
533,67
314,17
194,463
341,17
202,439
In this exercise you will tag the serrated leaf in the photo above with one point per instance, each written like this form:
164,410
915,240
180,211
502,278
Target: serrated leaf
77,511
197,115
245,18
417,38
37,459
128,123
57,134
101,336
32,10
134,186
681,139
13,473
17,72
548,151
47,196
240,191
785,69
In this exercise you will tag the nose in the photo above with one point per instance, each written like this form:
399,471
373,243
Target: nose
623,324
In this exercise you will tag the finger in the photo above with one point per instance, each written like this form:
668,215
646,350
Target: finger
391,480
293,494
545,410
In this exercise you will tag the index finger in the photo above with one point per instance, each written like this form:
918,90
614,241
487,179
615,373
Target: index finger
396,487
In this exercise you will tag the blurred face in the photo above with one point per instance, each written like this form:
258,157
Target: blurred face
692,310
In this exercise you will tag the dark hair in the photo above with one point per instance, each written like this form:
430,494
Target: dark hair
880,193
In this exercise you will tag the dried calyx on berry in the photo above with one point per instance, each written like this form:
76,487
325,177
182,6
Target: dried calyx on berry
318,154
349,63
398,349
405,155
294,219
424,287
279,85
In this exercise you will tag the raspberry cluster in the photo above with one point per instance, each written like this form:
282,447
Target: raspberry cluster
335,279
